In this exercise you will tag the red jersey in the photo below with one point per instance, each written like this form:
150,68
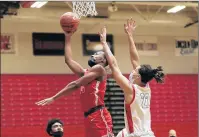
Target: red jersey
92,94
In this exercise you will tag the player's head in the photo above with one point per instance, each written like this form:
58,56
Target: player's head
172,133
98,58
144,74
55,128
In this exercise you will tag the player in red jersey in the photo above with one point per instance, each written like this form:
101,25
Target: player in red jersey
92,83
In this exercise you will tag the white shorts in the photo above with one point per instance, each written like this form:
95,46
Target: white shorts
124,133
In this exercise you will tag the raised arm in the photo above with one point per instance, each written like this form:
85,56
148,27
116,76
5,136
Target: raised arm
121,80
129,28
73,65
109,56
94,73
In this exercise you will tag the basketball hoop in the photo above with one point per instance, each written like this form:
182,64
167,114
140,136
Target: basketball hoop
84,8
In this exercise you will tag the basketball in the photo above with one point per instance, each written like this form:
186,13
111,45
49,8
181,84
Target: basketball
69,22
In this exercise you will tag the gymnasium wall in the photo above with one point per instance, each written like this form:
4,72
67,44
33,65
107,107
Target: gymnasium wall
173,105
27,78
25,62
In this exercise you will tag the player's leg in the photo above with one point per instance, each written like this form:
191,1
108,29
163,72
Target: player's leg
88,132
101,123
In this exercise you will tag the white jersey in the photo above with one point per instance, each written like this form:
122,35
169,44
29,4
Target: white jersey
137,114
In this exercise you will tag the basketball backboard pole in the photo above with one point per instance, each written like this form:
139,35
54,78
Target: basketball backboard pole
139,12
69,5
158,11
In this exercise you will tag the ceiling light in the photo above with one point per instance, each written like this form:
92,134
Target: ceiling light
38,4
175,9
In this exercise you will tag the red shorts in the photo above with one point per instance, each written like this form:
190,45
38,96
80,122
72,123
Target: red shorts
99,124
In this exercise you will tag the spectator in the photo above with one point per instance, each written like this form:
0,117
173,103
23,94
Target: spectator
55,128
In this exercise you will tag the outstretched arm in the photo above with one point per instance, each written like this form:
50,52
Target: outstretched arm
109,56
121,80
73,65
129,28
94,73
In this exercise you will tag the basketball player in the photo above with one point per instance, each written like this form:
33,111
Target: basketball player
92,82
55,128
136,90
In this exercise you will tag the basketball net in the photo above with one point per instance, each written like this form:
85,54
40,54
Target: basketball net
84,8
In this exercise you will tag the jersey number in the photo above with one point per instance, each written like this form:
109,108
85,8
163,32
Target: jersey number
145,100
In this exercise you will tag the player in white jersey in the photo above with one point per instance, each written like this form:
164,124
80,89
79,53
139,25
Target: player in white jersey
136,90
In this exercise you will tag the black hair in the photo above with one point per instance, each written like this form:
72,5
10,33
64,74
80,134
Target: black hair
50,123
147,74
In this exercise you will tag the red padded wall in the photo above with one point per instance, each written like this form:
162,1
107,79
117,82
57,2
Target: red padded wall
173,106
22,118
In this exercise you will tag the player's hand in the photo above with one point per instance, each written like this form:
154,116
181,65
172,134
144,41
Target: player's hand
102,34
45,101
69,33
130,26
